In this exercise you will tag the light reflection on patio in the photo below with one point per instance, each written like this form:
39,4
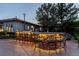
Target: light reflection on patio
35,51
13,48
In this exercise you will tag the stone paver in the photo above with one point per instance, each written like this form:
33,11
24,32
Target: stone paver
10,48
13,48
72,48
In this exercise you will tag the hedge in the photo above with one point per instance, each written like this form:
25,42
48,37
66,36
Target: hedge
7,35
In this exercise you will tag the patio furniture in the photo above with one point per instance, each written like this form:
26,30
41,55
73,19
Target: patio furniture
52,45
17,36
36,43
46,41
24,38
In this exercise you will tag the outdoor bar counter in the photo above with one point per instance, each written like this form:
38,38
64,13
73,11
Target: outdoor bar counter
48,41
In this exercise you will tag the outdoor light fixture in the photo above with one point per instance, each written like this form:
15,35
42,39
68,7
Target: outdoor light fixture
59,36
43,36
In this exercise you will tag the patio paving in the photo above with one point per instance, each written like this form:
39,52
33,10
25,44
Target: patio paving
13,48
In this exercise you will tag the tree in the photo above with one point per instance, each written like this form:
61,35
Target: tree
44,16
56,15
67,13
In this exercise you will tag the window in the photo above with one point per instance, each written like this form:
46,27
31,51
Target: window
32,27
11,25
6,25
28,27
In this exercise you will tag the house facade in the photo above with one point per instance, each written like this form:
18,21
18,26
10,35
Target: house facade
14,24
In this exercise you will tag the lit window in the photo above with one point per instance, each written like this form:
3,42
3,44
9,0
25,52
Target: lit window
11,25
28,27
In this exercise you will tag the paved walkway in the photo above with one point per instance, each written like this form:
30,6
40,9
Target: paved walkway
72,48
13,48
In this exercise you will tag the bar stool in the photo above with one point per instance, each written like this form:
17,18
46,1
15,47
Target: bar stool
21,37
30,37
61,41
17,36
24,38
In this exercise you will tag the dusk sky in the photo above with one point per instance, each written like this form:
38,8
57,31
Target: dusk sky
12,10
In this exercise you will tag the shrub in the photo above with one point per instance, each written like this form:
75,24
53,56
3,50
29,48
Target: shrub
7,35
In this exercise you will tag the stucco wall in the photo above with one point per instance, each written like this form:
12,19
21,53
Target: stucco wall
6,24
18,26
